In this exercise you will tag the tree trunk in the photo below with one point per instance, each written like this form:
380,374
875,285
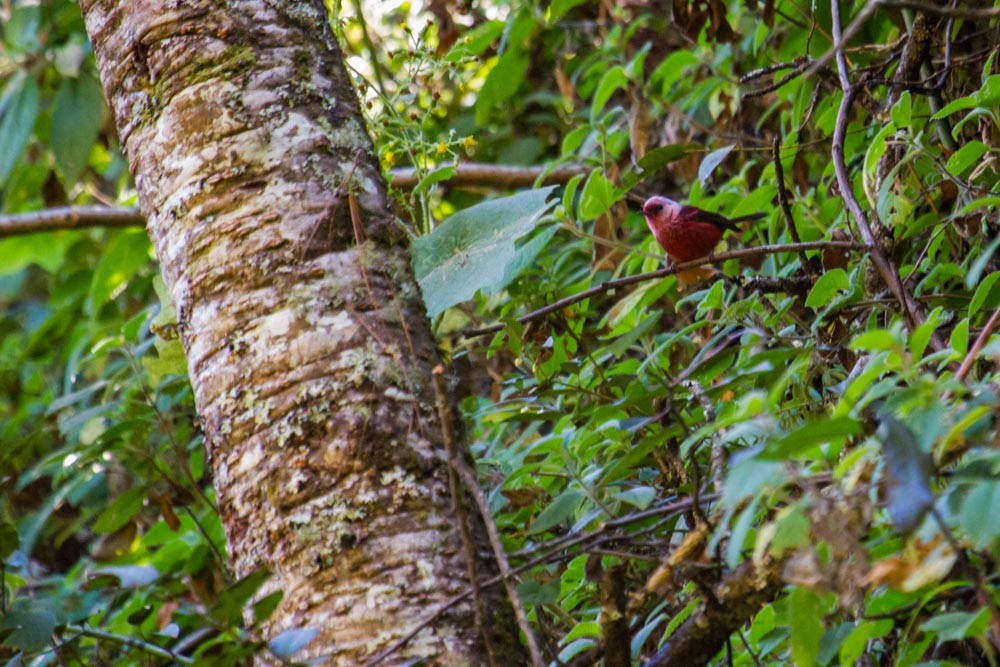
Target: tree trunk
307,343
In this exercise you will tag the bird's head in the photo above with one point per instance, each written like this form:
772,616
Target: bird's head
660,210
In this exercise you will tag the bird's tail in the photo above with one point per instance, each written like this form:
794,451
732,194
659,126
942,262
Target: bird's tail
749,217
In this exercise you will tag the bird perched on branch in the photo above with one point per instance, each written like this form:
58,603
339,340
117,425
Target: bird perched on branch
688,232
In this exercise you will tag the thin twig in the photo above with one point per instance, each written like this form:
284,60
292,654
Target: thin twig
984,335
771,87
840,40
471,484
458,507
940,10
666,271
373,52
912,314
496,176
563,543
152,649
69,217
786,208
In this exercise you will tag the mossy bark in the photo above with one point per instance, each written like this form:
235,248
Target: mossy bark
306,339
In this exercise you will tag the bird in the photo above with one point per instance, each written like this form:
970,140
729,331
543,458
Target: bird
688,232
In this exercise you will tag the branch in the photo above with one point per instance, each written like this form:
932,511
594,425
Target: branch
495,176
563,543
786,208
152,649
912,314
661,273
964,13
471,484
839,41
737,598
69,217
984,335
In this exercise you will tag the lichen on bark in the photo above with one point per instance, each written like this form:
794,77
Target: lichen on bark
308,347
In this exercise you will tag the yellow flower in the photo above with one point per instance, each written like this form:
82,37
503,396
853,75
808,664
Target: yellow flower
469,142
441,148
389,157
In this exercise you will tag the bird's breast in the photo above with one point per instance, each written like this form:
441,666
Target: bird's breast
687,240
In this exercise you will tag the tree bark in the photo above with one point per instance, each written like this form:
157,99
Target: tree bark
307,343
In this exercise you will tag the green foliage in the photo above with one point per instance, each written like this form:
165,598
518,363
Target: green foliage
812,433
825,439
475,249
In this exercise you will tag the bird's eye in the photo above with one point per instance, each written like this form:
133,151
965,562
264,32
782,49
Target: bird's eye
656,208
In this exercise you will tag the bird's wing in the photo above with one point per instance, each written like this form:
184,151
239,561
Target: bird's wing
720,221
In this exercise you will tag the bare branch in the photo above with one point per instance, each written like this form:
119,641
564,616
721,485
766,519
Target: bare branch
912,314
984,335
666,271
496,176
839,41
471,484
737,598
786,208
941,10
69,217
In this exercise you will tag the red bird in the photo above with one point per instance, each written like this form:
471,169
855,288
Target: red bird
688,232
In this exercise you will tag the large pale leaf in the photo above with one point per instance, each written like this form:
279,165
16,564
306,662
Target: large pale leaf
475,249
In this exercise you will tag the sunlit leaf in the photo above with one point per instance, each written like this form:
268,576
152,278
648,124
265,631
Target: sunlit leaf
472,249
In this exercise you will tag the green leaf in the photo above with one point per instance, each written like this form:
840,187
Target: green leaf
902,110
966,102
501,83
965,157
472,249
711,162
858,640
612,80
559,7
18,108
989,94
908,469
436,176
806,437
660,157
979,514
978,266
76,118
741,530
129,576
229,606
264,607
805,617
639,496
958,625
560,509
922,334
45,250
32,628
826,288
597,197
988,291
9,540
127,252
747,477
477,40
291,641
121,510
